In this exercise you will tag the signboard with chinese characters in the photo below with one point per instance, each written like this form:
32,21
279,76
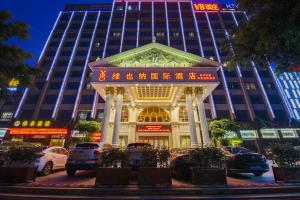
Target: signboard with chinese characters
288,133
206,7
269,133
33,123
153,128
154,74
248,134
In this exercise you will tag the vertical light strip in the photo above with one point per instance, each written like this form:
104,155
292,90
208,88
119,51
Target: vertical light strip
262,89
85,66
181,25
211,99
197,30
62,88
59,48
221,67
123,27
39,60
96,96
152,16
138,26
167,22
108,30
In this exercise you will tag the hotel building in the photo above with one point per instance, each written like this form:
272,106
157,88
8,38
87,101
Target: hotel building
152,71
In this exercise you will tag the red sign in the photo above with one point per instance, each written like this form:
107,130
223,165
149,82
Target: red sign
206,7
154,128
38,131
151,74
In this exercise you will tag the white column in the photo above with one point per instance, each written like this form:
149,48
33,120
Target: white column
189,105
115,139
108,101
202,115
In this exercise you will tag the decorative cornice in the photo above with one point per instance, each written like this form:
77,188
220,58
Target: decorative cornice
198,90
188,90
120,90
109,90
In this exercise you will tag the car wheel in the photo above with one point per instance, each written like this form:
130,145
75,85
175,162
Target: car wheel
71,172
47,168
258,174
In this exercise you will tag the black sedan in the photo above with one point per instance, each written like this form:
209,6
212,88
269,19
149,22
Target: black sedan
242,160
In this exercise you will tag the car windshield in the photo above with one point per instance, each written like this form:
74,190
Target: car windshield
88,145
138,145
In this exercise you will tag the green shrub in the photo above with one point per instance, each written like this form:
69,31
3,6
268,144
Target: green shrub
208,157
149,157
284,155
114,158
163,155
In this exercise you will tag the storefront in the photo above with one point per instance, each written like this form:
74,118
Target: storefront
155,94
41,136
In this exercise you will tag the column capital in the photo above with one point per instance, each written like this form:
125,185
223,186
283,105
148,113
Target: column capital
120,90
188,90
109,90
198,90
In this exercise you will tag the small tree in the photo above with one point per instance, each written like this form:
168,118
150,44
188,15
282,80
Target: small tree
219,128
87,128
284,155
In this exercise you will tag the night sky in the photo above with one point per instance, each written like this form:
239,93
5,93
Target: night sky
40,15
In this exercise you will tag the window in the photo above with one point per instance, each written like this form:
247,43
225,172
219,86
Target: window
82,115
50,99
247,134
247,74
6,116
160,34
237,99
153,114
191,34
256,99
69,99
123,141
250,86
89,86
183,116
116,34
73,85
288,133
124,114
269,133
185,142
176,34
87,99
219,99
97,44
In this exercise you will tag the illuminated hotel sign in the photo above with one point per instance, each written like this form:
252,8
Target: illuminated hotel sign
153,128
206,7
32,123
152,74
38,131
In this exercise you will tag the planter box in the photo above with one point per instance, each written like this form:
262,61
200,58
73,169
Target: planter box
205,176
18,174
288,174
154,176
113,176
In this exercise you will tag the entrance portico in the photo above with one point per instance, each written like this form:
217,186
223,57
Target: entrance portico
155,94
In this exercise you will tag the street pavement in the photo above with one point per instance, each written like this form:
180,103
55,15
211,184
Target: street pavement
87,179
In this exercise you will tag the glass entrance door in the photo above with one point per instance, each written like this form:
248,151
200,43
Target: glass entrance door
156,141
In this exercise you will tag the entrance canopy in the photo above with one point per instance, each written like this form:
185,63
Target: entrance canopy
154,73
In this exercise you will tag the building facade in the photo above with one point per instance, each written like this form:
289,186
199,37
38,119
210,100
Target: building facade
170,34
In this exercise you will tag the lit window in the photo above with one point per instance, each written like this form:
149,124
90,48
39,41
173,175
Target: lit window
183,117
153,114
116,34
89,86
160,34
82,115
176,34
185,142
191,34
250,86
97,44
124,114
6,116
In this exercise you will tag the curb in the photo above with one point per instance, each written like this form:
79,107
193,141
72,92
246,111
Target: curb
142,191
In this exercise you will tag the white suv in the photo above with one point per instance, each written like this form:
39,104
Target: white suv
84,156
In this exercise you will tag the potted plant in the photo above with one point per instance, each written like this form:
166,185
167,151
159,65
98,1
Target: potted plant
209,166
19,165
286,157
114,170
155,167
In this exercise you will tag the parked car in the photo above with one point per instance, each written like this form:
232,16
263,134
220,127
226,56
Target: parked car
242,160
135,154
51,158
176,152
84,156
